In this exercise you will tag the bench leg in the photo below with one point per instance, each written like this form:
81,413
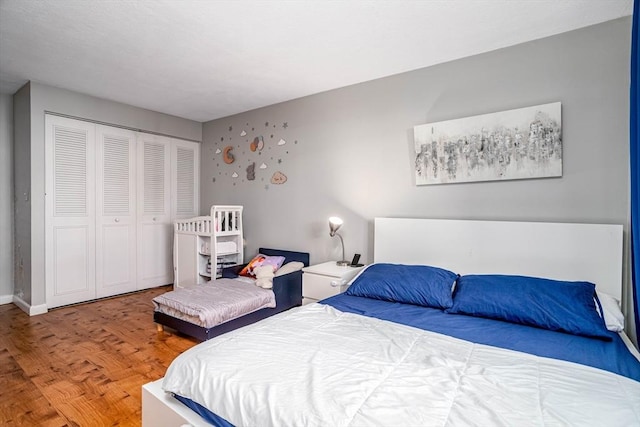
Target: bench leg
159,327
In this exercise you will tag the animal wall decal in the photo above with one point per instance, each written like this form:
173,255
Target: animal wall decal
251,172
278,178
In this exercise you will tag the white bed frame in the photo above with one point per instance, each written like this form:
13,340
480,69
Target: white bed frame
591,252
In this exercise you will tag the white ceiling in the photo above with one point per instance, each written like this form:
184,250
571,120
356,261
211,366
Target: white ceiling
204,60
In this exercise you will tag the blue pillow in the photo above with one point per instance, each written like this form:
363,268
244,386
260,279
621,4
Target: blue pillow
409,284
544,303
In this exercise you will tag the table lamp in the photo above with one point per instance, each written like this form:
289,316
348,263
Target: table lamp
334,225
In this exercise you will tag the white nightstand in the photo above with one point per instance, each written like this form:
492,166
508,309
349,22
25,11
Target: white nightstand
324,280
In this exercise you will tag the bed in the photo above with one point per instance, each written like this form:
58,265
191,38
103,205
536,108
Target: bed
387,353
285,294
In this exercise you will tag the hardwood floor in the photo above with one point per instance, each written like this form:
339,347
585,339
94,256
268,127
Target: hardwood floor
82,365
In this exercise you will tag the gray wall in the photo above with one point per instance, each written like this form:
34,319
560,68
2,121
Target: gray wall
46,98
353,156
6,198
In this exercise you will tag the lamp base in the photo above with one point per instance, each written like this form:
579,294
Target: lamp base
343,263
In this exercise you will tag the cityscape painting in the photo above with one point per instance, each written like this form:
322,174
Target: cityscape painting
515,144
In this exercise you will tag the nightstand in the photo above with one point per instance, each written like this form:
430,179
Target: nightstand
324,280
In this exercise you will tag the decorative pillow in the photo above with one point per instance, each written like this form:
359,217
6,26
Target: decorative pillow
259,260
410,284
611,314
289,267
549,304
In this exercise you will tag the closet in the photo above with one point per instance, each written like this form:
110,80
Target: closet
112,195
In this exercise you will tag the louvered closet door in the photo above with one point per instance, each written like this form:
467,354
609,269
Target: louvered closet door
115,211
70,211
155,230
185,172
185,161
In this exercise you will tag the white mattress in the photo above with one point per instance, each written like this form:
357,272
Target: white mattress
344,369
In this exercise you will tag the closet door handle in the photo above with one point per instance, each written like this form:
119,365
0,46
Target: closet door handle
153,219
117,220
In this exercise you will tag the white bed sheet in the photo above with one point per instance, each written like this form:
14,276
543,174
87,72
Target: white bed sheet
349,370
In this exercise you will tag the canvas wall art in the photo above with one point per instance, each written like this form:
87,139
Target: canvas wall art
515,144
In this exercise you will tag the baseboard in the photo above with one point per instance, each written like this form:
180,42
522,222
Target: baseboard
6,299
31,310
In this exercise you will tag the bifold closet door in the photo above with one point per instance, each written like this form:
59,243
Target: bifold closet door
155,229
115,211
69,211
185,173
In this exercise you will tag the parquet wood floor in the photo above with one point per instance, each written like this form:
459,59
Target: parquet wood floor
82,365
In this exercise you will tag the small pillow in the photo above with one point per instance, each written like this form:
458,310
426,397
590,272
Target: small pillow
274,261
544,303
289,267
613,317
410,284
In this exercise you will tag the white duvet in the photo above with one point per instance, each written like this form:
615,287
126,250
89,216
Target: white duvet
317,366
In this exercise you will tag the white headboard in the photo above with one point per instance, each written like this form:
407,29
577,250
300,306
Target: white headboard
590,252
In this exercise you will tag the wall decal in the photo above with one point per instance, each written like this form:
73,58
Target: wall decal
254,169
227,156
515,144
251,171
257,144
278,178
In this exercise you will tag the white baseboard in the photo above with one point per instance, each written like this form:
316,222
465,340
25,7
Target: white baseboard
6,299
31,310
